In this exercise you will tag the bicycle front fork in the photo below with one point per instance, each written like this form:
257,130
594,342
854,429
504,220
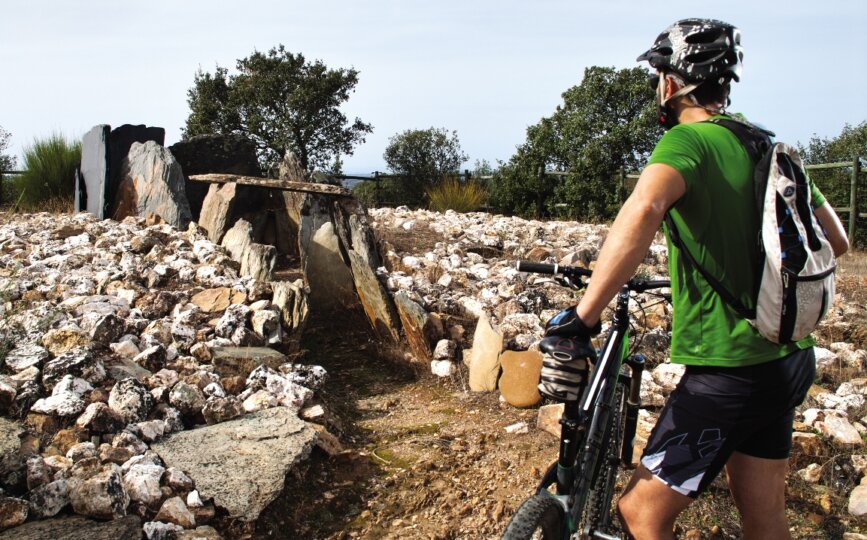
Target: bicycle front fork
633,402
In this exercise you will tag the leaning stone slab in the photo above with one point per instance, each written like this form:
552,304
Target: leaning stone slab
240,361
417,324
258,449
77,528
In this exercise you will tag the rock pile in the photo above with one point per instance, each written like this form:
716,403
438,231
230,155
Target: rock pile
464,277
119,341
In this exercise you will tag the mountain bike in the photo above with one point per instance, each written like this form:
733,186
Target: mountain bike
597,430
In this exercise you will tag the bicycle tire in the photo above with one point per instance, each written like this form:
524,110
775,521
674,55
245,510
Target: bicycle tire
540,517
599,504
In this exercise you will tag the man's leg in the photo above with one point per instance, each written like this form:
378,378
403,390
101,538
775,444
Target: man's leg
648,507
758,487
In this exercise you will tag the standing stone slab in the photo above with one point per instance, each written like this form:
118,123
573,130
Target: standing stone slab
485,357
203,154
94,170
242,463
152,183
119,144
328,275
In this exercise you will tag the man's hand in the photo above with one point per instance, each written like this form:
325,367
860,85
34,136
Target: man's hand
568,324
565,366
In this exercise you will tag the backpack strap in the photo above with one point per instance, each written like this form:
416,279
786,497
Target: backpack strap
756,141
714,283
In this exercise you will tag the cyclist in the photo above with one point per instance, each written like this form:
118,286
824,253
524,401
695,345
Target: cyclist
734,406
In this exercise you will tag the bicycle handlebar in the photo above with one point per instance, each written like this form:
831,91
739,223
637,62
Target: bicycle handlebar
636,284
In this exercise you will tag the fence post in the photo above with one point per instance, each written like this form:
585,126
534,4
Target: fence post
853,199
1,186
622,186
376,189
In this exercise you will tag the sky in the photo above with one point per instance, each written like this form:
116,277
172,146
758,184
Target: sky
486,69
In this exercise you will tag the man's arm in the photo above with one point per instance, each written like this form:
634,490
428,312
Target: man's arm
658,187
831,223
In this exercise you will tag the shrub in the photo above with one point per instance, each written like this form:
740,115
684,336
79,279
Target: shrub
49,171
452,194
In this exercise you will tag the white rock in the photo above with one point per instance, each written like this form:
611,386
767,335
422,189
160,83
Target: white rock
520,427
812,473
839,430
194,500
142,483
443,368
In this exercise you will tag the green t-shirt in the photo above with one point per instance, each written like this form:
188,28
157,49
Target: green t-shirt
718,223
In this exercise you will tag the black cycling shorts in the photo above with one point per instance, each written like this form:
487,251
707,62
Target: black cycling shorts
715,411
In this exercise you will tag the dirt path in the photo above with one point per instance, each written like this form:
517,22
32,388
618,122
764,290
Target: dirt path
423,457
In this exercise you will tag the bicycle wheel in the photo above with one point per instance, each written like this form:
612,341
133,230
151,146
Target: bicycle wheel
598,512
539,517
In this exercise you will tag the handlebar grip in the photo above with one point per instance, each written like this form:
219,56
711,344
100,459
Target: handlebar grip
658,284
538,268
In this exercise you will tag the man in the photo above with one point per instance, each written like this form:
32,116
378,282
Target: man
734,406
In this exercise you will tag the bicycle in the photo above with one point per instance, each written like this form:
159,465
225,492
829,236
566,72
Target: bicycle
597,430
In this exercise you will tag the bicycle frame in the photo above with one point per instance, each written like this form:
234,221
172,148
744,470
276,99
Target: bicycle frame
584,422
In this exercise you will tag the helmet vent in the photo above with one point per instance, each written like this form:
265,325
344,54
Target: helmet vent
708,35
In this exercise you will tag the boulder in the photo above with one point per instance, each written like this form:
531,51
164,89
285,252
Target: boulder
267,444
152,183
521,371
78,362
485,357
142,483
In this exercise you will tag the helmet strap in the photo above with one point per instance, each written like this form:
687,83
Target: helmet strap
667,115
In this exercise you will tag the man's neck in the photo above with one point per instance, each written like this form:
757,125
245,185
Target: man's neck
692,113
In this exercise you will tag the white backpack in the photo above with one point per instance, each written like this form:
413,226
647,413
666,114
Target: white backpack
797,276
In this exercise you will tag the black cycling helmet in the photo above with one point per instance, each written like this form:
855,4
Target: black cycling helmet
698,50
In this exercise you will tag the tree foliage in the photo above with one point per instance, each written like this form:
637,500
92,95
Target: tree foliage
283,103
835,183
7,162
423,157
605,124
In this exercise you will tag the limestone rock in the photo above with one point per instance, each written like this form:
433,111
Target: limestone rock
839,430
49,499
100,418
485,357
220,409
858,501
158,530
25,356
131,400
98,492
521,372
61,340
13,512
218,299
78,362
443,368
548,418
269,442
231,361
667,376
187,398
142,483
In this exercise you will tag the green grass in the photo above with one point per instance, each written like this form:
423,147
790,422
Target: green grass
451,194
49,172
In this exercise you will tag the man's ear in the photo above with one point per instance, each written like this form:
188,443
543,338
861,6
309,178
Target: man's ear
671,86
